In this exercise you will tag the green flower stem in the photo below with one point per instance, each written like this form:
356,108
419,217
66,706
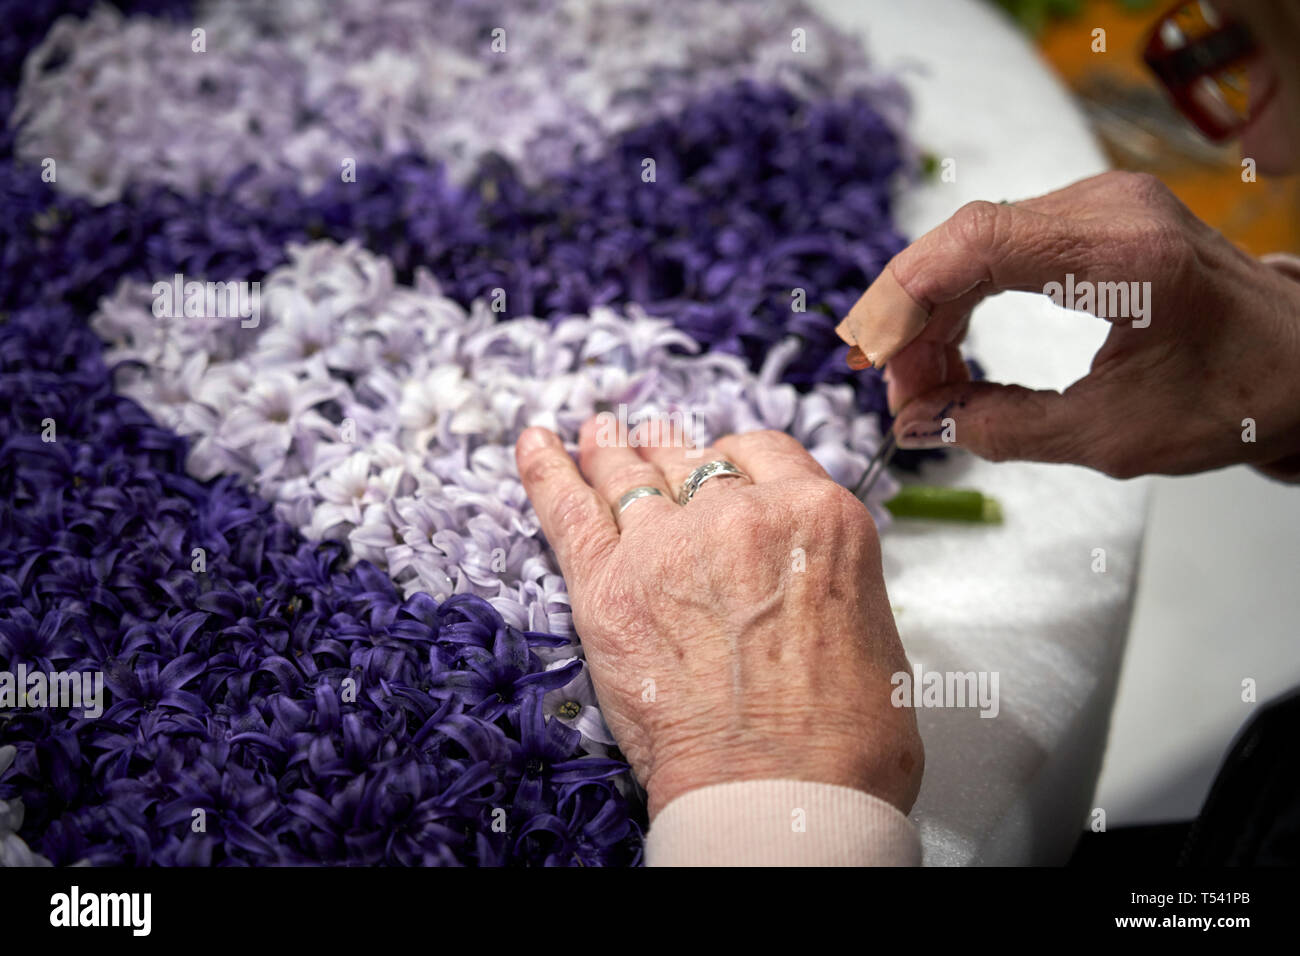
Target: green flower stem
944,504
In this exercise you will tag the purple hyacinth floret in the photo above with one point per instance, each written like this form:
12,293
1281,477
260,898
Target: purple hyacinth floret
298,711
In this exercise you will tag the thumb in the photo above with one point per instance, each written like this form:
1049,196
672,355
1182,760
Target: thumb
985,248
1009,423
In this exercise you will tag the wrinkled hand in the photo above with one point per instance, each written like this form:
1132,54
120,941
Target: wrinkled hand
1222,344
719,651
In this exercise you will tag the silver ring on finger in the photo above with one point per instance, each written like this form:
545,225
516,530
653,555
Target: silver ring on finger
719,468
636,494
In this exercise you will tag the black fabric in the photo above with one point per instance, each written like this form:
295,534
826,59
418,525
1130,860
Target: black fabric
1152,845
1252,815
1250,818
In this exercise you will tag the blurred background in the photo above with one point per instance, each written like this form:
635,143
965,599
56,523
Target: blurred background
1142,131
1217,597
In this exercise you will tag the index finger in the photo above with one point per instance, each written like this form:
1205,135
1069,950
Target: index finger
983,249
577,523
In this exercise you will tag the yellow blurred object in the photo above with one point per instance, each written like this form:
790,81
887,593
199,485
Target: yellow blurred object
1142,131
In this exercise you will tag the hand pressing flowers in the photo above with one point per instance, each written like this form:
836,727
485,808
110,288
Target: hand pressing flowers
743,636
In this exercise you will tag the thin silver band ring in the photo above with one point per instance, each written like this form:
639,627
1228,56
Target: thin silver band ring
719,468
641,491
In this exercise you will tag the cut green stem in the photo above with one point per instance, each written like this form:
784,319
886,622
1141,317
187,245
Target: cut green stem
944,504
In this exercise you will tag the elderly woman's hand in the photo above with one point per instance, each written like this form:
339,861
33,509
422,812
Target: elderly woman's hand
1170,391
746,635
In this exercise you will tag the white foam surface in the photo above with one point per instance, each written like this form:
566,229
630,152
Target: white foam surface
1021,599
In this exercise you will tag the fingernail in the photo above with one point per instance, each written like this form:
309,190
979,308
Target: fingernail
917,439
533,438
591,427
927,424
857,360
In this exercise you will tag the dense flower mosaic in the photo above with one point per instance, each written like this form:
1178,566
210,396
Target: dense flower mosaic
385,416
299,552
292,86
227,684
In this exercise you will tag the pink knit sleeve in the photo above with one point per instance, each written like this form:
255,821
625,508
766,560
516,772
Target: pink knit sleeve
781,823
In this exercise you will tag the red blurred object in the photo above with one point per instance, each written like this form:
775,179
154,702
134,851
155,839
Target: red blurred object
1202,56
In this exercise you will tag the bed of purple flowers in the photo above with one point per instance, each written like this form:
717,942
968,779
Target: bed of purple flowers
309,711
